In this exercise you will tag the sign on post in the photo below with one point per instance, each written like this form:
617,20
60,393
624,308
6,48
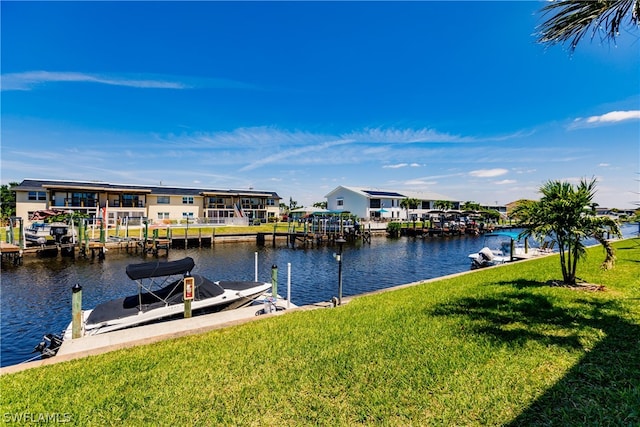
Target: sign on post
189,289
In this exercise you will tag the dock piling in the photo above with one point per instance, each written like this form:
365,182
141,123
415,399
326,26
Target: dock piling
76,311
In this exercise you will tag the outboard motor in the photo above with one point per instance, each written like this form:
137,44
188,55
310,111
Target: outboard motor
49,346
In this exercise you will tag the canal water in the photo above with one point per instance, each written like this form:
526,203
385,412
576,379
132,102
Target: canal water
36,296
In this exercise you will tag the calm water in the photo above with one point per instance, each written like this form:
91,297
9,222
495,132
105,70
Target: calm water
36,296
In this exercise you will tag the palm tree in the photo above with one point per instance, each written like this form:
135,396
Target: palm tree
409,203
566,215
470,206
570,20
443,204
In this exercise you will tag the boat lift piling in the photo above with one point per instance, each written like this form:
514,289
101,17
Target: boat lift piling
76,311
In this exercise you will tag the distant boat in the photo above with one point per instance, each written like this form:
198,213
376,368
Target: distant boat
159,297
40,233
499,248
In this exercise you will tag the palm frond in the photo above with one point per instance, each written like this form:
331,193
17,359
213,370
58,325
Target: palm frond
571,20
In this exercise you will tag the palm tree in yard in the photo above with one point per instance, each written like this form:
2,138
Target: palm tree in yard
566,214
409,203
571,20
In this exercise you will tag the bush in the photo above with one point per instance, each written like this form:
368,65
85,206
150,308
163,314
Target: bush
393,229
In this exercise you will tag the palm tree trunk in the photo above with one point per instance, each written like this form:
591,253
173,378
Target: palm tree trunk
610,258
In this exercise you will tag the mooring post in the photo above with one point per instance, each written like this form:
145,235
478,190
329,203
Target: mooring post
288,285
76,311
340,241
21,242
188,294
102,231
255,266
274,281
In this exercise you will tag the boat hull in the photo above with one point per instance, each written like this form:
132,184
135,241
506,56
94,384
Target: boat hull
229,300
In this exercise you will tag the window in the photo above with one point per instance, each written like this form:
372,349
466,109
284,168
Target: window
164,200
37,195
187,200
340,202
163,215
187,215
374,204
87,200
131,200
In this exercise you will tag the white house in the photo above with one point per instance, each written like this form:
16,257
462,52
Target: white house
383,204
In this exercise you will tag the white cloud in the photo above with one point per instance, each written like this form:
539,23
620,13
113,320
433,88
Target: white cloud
615,116
488,173
605,119
397,166
419,182
506,181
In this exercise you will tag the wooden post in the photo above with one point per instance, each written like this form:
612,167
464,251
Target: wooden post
76,311
21,241
274,281
189,290
102,231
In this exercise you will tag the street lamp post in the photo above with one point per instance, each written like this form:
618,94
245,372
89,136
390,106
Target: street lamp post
340,241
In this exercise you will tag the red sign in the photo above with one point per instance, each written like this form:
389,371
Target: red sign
189,288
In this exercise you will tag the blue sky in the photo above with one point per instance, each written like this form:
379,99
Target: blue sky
300,97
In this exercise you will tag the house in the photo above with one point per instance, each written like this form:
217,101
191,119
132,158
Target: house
120,203
383,204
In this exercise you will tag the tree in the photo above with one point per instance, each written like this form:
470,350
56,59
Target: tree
565,214
571,20
443,204
409,203
470,206
292,204
321,205
7,202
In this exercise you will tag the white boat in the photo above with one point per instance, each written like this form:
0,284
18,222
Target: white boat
499,248
40,233
160,297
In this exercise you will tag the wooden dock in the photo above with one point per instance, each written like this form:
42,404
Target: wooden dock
10,252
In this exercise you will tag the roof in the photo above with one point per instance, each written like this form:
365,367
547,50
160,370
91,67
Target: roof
40,184
377,192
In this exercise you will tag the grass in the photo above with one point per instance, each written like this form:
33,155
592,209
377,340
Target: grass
494,347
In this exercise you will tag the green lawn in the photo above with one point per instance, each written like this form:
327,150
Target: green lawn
495,347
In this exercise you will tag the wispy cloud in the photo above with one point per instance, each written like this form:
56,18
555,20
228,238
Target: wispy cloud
295,152
396,166
605,119
29,80
393,135
488,173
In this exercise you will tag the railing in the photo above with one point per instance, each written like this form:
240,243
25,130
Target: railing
126,204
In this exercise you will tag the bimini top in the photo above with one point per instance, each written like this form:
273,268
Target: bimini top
146,270
511,234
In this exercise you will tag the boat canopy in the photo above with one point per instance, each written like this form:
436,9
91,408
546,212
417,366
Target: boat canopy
147,270
511,234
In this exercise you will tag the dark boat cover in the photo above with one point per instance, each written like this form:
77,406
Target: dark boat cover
147,270
169,295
